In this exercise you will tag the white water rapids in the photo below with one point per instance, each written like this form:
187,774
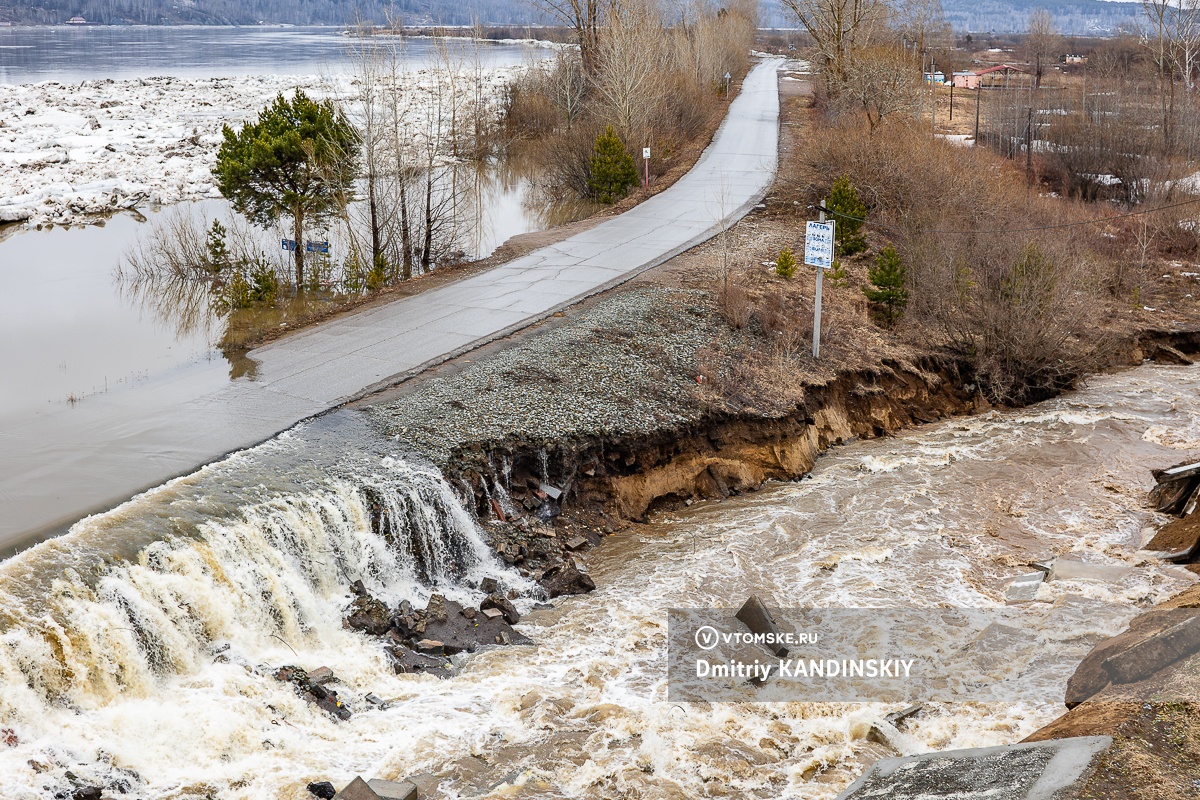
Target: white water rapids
108,654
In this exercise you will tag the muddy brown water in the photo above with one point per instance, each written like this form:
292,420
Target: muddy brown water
112,633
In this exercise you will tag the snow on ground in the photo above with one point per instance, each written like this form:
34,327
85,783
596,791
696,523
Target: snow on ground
71,152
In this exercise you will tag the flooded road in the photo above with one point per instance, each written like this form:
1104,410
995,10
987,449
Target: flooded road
113,631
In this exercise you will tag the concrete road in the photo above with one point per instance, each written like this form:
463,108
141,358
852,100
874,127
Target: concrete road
55,470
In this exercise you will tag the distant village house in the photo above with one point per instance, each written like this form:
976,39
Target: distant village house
77,21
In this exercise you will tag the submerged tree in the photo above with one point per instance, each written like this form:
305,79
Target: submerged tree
298,159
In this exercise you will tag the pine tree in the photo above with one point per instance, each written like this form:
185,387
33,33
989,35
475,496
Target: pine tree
613,170
848,212
298,159
785,265
888,277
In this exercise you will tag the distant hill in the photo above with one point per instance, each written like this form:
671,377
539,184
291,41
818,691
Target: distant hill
1079,17
1072,17
250,12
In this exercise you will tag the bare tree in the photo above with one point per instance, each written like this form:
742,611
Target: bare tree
1042,41
922,23
882,81
587,18
838,29
629,68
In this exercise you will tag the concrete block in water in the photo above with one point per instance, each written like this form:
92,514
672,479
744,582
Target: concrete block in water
1034,771
1155,653
1024,589
394,790
755,616
357,790
1068,569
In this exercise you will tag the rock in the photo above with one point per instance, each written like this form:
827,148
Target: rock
1029,771
438,609
86,793
459,634
577,543
376,701
1143,659
501,603
357,790
431,647
469,612
1165,354
358,589
322,789
569,577
553,492
394,790
321,675
755,616
406,661
489,586
368,615
93,123
492,613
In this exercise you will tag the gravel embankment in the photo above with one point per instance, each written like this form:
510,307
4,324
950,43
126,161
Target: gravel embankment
625,366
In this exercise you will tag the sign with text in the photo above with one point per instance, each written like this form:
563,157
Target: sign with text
289,245
818,244
645,152
318,247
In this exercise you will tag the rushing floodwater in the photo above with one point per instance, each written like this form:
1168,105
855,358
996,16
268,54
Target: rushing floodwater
111,630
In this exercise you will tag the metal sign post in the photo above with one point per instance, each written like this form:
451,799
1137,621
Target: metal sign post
818,252
646,158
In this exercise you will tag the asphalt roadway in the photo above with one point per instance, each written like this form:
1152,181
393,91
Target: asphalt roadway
56,470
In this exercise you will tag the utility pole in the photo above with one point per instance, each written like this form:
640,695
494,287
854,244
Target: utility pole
978,100
1029,149
932,98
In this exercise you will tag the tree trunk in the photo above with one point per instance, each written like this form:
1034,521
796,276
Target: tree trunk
427,250
298,254
376,239
405,230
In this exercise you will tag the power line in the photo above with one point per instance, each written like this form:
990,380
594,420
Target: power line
838,215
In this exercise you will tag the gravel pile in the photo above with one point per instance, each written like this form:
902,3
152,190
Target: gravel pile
626,366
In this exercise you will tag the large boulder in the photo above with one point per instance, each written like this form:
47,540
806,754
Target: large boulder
369,615
569,577
503,605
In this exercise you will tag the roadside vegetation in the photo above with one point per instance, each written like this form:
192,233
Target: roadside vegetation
1023,255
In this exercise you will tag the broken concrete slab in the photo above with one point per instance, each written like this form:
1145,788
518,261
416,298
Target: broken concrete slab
1033,771
1024,588
755,616
551,491
896,717
577,542
1147,657
1069,569
394,790
357,790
